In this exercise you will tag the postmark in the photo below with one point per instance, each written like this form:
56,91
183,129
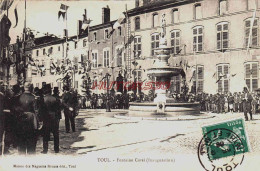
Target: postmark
223,145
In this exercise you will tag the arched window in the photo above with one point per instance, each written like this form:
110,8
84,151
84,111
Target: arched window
222,7
197,38
155,21
137,23
175,41
223,77
154,42
197,11
175,16
222,36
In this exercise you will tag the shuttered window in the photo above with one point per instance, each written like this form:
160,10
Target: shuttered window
106,58
175,16
222,36
254,35
94,60
222,7
154,42
198,39
137,47
175,41
155,20
137,23
198,12
223,78
251,75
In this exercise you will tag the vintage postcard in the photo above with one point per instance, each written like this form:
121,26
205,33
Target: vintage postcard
129,85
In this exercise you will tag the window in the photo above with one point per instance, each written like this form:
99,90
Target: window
37,52
222,36
198,79
119,31
155,21
75,45
223,78
137,47
175,16
251,75
119,56
43,52
254,34
222,7
76,84
95,36
154,42
84,43
197,39
58,48
175,84
94,60
50,50
106,34
175,41
197,11
137,23
106,58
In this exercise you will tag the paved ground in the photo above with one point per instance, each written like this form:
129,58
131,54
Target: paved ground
99,135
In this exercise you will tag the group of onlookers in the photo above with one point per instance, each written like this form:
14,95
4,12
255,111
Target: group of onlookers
27,113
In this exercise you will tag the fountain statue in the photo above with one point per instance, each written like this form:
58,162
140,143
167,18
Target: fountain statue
163,72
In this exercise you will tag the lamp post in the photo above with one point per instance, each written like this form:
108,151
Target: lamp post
108,96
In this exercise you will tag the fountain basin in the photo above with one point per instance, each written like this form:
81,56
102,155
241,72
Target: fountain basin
166,71
171,109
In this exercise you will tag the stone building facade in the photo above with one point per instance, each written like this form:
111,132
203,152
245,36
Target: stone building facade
208,39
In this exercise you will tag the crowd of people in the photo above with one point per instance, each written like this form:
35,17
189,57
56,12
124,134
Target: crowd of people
27,113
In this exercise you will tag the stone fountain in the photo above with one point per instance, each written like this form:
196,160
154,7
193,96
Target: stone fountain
162,71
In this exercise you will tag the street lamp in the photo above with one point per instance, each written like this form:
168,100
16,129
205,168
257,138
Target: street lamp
107,76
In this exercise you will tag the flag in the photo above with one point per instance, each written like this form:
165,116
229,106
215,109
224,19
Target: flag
119,21
130,40
6,4
16,16
214,75
62,11
85,24
251,29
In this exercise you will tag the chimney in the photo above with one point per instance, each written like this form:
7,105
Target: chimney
105,15
79,30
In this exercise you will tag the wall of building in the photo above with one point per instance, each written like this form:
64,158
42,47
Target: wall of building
236,54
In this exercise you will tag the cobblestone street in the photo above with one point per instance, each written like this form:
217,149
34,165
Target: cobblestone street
100,135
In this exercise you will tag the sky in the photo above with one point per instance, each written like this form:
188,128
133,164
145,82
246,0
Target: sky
42,16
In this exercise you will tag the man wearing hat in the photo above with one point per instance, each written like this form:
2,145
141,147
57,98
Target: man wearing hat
27,121
10,124
247,106
68,104
57,96
51,119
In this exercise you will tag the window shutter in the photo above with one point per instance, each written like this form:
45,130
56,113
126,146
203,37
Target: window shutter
254,70
247,66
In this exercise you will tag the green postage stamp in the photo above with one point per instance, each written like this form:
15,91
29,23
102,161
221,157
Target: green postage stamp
225,139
